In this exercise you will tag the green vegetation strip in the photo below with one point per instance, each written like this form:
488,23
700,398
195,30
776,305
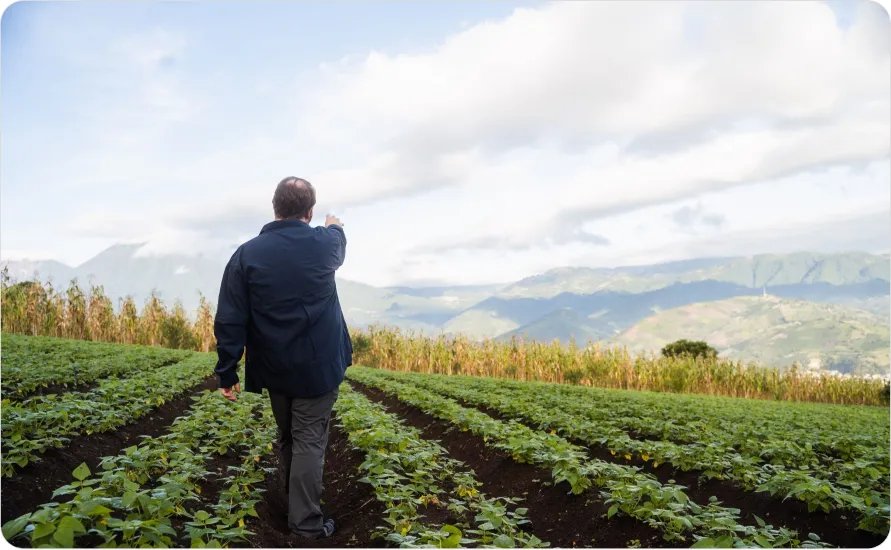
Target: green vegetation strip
628,491
34,425
855,484
33,362
779,432
409,474
132,501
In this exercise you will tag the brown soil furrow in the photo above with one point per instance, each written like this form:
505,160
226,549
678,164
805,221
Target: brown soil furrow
350,503
33,485
559,517
839,527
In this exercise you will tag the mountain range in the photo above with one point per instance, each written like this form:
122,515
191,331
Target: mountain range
801,300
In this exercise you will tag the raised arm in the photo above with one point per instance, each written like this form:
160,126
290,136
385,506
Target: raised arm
334,226
230,324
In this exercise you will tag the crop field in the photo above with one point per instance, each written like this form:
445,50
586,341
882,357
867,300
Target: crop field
114,445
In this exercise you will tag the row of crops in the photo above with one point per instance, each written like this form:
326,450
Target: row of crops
827,457
150,494
35,422
627,490
37,364
623,449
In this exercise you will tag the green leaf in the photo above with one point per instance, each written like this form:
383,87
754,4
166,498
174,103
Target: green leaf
65,537
72,523
95,509
761,522
612,510
82,472
14,527
704,543
503,541
42,529
454,538
762,541
128,498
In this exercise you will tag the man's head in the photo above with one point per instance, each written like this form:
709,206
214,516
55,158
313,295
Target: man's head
294,199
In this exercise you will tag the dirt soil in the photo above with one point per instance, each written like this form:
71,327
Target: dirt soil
503,477
351,504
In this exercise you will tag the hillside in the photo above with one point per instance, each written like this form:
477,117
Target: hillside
562,325
753,272
609,312
773,331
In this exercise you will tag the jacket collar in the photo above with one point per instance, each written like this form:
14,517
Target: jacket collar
281,224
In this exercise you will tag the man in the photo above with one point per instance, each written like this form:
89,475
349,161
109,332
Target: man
278,303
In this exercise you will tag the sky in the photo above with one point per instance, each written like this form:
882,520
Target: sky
459,142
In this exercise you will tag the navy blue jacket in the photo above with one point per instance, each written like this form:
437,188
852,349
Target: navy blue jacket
278,303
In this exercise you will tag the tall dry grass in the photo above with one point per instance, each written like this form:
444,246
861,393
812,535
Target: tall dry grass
606,368
42,310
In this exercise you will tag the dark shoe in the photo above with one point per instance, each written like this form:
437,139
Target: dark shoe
327,531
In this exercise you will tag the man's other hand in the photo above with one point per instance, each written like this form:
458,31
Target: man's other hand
229,393
331,219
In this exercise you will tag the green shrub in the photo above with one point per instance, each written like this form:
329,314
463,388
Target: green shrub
177,334
689,348
573,375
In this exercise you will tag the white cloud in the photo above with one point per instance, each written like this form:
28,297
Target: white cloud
514,146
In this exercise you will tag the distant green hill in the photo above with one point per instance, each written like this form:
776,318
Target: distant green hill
752,272
607,313
772,331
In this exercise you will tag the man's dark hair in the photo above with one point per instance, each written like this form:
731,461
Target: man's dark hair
293,199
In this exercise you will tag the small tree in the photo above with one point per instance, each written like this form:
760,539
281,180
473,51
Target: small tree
689,348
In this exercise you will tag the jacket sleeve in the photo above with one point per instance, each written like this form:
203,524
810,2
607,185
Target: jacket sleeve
339,251
230,324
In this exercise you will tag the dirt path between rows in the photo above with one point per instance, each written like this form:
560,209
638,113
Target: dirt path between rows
559,517
350,503
839,527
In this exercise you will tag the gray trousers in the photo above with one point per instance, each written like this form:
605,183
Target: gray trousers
302,439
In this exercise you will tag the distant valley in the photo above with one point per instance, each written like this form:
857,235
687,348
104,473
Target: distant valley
836,306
